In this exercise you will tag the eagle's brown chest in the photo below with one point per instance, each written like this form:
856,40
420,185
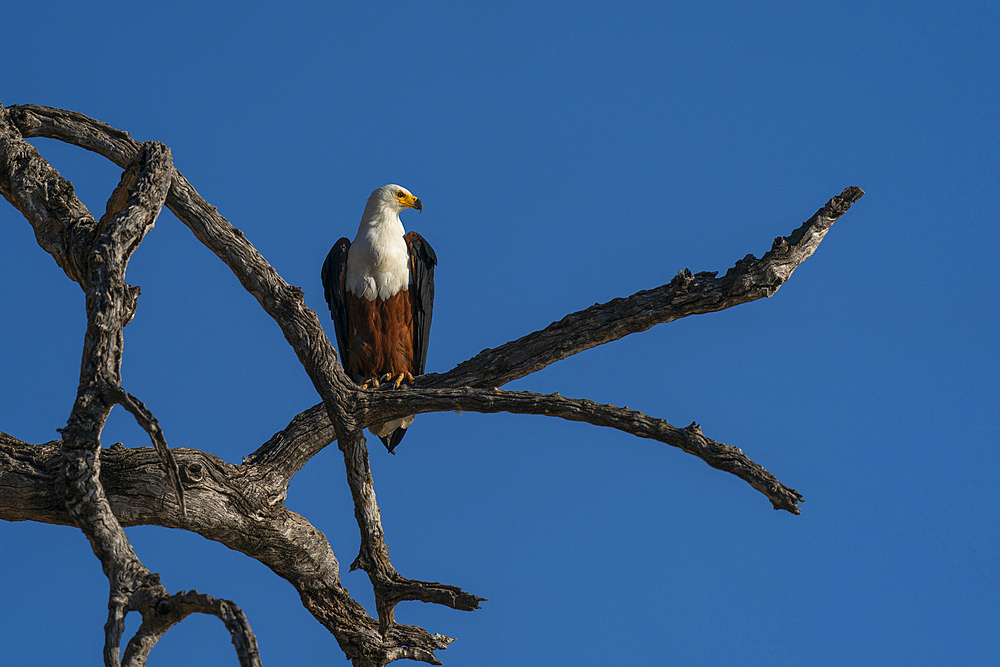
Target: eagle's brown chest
380,336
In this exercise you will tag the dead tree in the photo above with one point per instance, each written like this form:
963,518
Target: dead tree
73,481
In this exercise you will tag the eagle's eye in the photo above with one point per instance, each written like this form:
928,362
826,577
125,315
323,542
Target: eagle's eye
400,194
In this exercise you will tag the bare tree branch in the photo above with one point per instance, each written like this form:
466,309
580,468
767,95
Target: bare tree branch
110,306
687,294
61,222
390,587
392,404
175,609
151,426
288,450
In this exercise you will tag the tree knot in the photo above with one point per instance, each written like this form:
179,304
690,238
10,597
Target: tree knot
192,473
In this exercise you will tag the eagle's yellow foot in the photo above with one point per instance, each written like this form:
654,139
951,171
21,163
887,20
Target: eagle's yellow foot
398,380
371,382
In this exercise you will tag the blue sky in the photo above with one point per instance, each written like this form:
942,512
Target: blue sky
565,155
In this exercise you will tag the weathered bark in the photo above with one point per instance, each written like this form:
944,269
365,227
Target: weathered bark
227,504
96,254
76,482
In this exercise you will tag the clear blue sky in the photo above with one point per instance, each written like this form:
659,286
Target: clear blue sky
565,155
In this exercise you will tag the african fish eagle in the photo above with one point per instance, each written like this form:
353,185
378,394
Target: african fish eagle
380,290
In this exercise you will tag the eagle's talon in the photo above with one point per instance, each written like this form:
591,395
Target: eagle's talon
405,376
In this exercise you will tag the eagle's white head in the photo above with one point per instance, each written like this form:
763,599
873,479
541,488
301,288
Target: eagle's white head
392,198
378,263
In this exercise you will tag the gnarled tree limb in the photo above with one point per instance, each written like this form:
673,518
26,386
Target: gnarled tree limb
243,506
95,255
225,505
305,334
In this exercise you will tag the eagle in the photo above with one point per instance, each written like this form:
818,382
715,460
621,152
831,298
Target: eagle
380,289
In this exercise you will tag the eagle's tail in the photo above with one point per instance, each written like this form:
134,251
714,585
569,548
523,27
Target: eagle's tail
390,433
390,441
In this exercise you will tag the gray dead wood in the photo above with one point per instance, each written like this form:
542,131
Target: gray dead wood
76,482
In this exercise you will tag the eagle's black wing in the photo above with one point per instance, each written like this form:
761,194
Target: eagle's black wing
334,277
422,262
